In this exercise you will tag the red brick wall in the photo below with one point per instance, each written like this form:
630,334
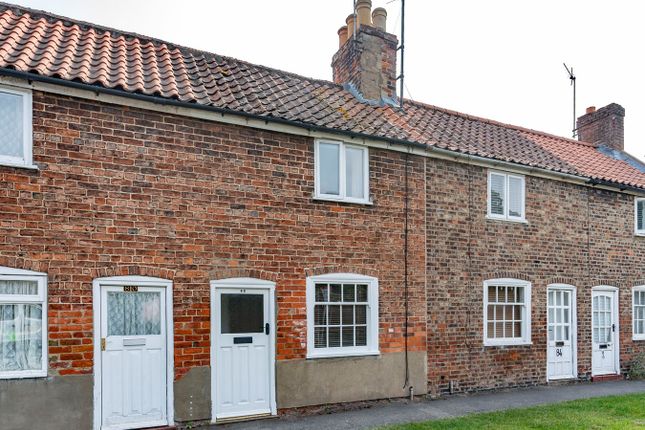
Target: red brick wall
552,247
127,191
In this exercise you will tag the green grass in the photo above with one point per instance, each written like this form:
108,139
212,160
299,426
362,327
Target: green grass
614,412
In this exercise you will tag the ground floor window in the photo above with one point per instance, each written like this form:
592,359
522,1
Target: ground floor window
507,312
23,324
342,315
639,312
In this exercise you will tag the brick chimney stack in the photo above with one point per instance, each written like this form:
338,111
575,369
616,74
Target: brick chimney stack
366,58
603,126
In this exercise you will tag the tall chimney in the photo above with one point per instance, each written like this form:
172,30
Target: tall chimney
603,126
366,60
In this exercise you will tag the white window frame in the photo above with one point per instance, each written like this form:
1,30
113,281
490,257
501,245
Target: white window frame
526,317
342,196
638,232
636,336
372,347
27,144
10,274
506,216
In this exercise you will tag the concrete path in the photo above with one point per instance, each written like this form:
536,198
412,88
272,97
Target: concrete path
401,411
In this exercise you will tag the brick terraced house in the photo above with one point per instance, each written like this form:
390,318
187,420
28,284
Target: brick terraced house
190,238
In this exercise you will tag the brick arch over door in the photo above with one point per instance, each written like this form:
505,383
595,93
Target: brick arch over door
241,272
132,270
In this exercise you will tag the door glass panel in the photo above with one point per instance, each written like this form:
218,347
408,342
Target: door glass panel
133,314
602,319
242,313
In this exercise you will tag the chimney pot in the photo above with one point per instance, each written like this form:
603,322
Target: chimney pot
591,109
342,36
364,12
351,22
379,17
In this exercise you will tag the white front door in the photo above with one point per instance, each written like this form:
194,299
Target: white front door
604,353
242,352
562,333
133,357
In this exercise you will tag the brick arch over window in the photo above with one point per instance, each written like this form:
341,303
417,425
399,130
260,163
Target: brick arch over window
561,280
606,281
24,264
132,270
340,268
240,272
507,275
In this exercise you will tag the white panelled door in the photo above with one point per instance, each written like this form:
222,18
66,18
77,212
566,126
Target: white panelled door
561,332
604,354
133,357
242,352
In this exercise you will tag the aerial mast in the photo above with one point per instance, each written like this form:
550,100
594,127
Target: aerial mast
572,78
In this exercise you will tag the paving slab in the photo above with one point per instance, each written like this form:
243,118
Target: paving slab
404,411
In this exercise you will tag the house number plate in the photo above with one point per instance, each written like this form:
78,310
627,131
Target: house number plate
130,289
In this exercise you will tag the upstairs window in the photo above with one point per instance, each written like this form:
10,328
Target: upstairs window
506,196
342,315
341,172
507,312
639,218
23,324
15,127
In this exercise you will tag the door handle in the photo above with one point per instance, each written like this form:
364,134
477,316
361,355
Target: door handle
267,328
102,344
613,327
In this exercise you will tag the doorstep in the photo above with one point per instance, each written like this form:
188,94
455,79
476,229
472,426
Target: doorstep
605,378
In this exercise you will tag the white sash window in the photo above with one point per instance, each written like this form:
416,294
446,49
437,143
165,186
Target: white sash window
507,312
342,315
638,312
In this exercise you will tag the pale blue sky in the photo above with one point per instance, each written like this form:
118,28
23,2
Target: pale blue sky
500,59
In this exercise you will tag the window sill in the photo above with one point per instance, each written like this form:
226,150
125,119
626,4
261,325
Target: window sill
23,375
339,200
18,165
638,338
639,233
318,355
508,343
516,221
